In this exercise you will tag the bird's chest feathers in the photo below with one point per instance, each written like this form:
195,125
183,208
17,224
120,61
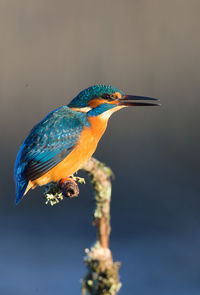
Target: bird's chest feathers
98,127
90,137
87,143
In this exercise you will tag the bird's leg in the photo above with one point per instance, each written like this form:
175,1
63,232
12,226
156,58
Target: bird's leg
73,179
67,179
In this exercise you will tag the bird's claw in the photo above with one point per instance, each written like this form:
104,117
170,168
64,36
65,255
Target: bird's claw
80,180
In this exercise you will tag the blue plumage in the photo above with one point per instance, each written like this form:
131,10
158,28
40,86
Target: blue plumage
100,109
48,143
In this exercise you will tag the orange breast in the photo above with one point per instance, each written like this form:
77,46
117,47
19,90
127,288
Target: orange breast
83,151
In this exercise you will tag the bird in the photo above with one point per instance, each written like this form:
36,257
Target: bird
63,141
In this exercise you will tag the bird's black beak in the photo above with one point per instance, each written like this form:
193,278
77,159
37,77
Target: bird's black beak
134,100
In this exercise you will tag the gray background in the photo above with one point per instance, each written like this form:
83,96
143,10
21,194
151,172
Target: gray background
49,51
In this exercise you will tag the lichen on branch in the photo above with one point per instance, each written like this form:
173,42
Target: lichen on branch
102,276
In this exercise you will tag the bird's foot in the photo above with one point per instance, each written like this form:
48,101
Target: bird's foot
80,180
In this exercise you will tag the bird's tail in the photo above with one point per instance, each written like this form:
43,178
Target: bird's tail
20,190
19,176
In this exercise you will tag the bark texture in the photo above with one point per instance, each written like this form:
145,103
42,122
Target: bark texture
102,273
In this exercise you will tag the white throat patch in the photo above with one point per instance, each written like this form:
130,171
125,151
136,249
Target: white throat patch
106,115
84,110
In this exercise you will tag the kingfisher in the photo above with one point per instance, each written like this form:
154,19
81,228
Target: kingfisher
61,143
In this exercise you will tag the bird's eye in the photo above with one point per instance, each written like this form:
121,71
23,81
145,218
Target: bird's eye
108,96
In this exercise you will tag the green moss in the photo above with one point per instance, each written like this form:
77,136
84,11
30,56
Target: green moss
101,281
53,194
102,277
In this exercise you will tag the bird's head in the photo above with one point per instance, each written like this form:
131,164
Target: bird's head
105,100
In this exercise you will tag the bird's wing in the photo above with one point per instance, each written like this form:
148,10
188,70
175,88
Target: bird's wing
49,142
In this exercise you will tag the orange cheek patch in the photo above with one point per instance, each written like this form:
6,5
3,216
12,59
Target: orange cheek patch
96,102
113,102
118,95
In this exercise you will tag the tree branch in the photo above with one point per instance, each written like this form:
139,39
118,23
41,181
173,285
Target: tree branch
102,277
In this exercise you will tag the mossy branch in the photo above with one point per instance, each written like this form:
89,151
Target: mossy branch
102,273
102,277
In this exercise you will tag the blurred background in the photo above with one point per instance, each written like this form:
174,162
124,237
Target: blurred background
49,51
